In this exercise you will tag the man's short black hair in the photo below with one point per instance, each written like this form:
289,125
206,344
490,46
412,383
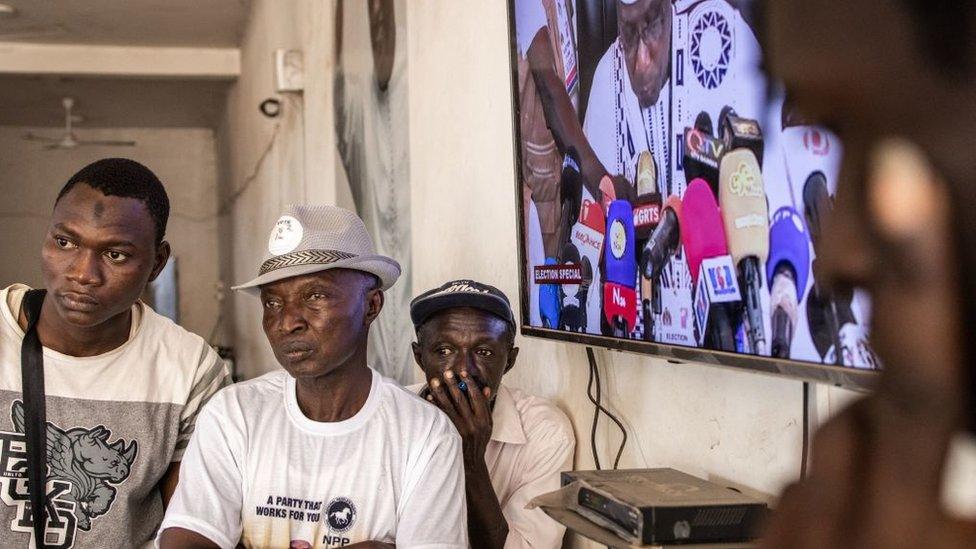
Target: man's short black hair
509,329
126,179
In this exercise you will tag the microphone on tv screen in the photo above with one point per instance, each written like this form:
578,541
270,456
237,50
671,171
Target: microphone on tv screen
702,230
570,194
817,204
647,216
741,133
824,330
745,215
836,320
647,207
572,316
570,198
646,174
657,252
703,122
702,152
821,308
787,270
663,242
549,301
620,269
716,295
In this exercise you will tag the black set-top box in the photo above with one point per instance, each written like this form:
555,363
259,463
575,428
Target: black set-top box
665,506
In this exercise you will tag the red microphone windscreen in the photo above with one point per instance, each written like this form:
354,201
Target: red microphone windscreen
674,202
702,230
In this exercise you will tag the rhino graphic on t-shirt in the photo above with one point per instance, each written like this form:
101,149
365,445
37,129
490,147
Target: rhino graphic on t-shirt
85,459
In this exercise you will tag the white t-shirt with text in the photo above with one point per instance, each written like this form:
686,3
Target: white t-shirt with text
258,471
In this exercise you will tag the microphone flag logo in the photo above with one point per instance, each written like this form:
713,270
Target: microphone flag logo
817,142
744,181
747,127
618,239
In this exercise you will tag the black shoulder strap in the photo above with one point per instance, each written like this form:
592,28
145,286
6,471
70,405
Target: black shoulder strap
35,424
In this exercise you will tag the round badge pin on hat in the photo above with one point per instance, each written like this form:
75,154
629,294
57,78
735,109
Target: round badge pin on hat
285,236
310,238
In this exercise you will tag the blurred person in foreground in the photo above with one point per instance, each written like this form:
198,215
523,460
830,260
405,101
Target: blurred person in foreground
896,81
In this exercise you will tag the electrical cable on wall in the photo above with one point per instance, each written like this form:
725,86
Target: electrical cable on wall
229,202
805,448
598,407
596,410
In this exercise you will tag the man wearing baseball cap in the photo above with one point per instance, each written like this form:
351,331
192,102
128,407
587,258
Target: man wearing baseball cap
514,444
326,453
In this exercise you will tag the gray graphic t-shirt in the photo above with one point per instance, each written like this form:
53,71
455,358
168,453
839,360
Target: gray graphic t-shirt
115,423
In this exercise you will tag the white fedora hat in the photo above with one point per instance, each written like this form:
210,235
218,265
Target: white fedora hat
307,239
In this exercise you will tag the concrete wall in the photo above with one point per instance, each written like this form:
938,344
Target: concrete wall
185,161
268,163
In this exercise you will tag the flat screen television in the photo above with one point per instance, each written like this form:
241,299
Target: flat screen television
670,200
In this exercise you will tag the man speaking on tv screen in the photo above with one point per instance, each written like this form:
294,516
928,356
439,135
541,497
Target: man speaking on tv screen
628,110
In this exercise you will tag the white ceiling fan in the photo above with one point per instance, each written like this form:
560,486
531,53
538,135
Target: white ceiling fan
68,140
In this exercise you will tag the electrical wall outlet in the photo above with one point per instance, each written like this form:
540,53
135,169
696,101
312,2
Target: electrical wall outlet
289,71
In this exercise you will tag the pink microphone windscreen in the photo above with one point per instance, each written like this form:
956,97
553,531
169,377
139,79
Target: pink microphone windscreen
702,230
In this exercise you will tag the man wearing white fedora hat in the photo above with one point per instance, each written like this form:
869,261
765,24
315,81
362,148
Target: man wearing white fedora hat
327,453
